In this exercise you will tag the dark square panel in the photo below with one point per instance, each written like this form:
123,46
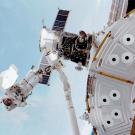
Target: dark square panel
131,5
45,79
63,12
59,23
58,28
60,20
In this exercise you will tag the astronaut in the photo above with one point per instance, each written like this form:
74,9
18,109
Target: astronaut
16,95
81,41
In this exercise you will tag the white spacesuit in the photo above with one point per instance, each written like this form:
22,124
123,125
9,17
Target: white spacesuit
16,95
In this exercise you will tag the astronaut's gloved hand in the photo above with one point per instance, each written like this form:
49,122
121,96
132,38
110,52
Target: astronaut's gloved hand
22,104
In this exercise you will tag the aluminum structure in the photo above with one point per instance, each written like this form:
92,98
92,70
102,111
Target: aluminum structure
110,97
119,9
110,94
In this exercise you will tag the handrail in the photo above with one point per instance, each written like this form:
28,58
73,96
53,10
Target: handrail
129,13
133,128
101,45
115,77
87,103
89,91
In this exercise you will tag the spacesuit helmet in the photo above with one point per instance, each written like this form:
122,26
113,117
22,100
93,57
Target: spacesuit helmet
8,101
82,34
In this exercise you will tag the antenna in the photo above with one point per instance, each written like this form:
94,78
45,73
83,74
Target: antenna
43,23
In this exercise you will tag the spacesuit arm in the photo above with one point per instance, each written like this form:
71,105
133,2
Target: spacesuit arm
93,41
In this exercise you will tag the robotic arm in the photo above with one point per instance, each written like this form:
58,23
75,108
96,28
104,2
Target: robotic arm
70,107
16,95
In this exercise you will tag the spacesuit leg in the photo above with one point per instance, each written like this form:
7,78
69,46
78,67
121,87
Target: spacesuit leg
32,83
27,78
